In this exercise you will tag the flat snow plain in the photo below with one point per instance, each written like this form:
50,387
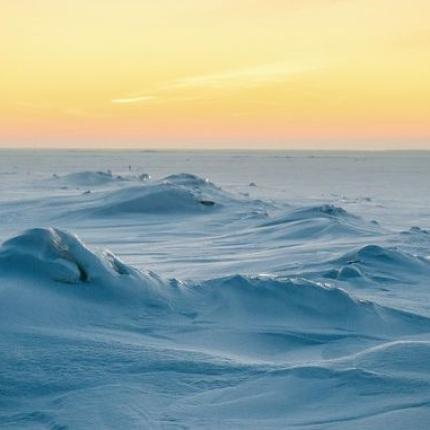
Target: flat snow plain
214,290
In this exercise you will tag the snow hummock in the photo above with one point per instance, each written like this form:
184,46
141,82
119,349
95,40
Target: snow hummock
381,264
53,255
58,255
175,194
318,221
300,304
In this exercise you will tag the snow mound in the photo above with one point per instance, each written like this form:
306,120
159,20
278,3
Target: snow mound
50,254
410,357
188,179
153,199
58,255
318,221
380,264
176,194
325,211
301,305
314,212
415,230
311,397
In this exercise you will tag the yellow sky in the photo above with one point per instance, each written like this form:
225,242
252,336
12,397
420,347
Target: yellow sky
215,73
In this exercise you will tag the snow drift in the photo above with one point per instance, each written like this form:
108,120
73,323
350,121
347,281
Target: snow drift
317,221
56,257
176,194
257,337
380,264
294,304
59,256
238,318
303,305
314,397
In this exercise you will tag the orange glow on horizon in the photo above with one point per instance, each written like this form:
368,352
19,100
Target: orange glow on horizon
203,73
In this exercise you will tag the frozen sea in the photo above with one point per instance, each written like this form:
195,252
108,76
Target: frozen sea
214,290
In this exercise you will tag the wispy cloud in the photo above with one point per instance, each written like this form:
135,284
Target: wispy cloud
138,99
248,77
227,81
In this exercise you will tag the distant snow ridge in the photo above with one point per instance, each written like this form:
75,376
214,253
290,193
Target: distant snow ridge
96,178
182,193
318,221
188,179
380,264
326,211
415,230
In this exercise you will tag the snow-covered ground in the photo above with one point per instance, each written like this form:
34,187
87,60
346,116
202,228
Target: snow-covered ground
214,290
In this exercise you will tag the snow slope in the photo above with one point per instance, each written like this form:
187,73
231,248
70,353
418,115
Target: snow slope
280,305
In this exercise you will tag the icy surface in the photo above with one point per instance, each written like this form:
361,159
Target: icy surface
227,290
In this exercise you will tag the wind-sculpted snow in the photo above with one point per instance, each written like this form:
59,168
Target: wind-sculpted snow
318,222
295,304
404,357
176,194
380,264
59,256
312,213
125,328
301,305
309,397
417,232
52,255
226,305
315,212
154,199
188,179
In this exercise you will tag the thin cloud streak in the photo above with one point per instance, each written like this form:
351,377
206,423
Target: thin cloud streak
230,80
249,77
138,99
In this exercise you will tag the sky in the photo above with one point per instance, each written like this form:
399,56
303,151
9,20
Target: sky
208,74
